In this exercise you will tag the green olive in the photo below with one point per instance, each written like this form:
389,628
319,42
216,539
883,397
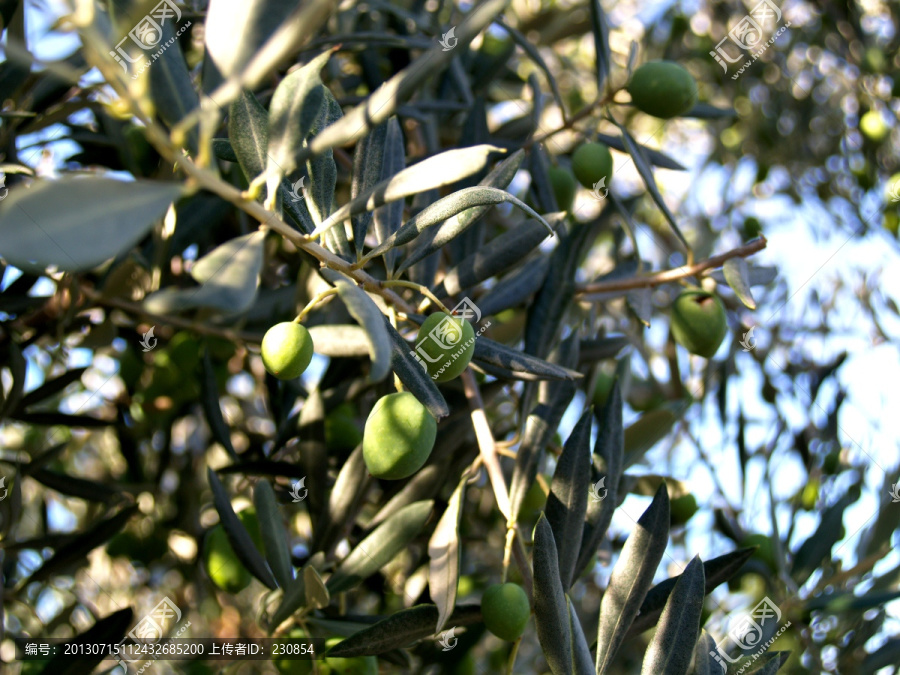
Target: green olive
287,349
398,437
564,187
445,345
663,89
698,322
505,610
682,509
592,162
221,562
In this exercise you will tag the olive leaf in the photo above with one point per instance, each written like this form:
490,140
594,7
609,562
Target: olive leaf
274,536
380,547
444,552
631,579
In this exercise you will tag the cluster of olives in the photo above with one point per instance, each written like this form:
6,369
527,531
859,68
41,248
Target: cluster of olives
659,88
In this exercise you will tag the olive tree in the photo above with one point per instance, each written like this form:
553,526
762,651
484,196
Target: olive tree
380,324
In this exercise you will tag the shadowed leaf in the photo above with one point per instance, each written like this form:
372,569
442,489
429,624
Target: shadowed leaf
274,536
551,611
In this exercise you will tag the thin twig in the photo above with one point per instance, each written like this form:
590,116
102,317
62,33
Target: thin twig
748,249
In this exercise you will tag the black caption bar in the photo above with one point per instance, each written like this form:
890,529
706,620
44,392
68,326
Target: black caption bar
172,649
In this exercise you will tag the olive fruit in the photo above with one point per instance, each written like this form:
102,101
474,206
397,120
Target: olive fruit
564,187
287,349
698,322
221,562
341,432
682,509
765,551
663,89
592,162
398,437
445,345
505,610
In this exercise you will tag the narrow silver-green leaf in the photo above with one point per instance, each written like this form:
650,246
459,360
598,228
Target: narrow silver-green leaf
532,51
274,536
293,598
672,647
567,501
609,449
737,274
401,629
322,171
295,105
344,502
238,537
817,548
655,157
582,662
363,309
499,177
715,571
368,159
317,595
76,223
600,30
758,275
497,354
516,288
209,393
446,208
649,429
551,611
497,256
442,169
443,554
631,579
229,277
704,662
340,340
235,31
389,218
380,547
171,88
385,101
413,376
642,164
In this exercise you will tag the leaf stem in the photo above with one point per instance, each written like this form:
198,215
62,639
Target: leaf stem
418,287
511,663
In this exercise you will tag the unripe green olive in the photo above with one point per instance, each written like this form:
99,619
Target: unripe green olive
287,349
445,345
682,509
505,610
698,322
592,162
663,89
398,437
564,187
222,564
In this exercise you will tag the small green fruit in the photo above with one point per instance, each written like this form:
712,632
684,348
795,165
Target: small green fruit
398,437
221,562
663,89
505,610
765,551
682,509
592,162
341,432
445,345
564,187
604,385
287,349
698,322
